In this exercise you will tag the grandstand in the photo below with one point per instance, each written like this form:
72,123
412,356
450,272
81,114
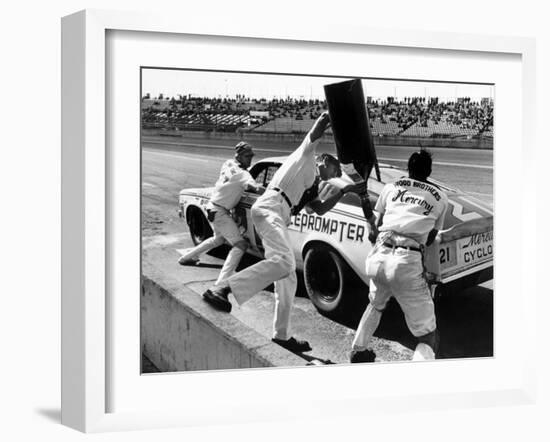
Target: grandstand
286,125
382,128
431,129
410,117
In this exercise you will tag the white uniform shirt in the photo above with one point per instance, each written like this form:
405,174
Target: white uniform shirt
231,185
298,172
412,208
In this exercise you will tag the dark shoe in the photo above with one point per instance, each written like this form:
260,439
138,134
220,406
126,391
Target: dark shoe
217,298
188,261
293,345
362,356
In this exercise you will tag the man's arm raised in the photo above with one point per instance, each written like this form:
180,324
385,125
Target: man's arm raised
317,130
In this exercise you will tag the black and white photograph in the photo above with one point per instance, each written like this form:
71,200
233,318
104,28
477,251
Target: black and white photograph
245,221
305,220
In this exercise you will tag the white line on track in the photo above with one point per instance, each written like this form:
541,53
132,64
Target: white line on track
196,157
171,143
284,152
442,163
474,204
480,193
214,146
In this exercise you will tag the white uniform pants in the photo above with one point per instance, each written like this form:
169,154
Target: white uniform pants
396,272
224,228
270,215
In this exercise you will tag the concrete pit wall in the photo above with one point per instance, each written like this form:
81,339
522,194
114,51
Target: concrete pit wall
180,332
296,139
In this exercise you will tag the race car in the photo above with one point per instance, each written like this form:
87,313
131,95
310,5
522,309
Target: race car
331,249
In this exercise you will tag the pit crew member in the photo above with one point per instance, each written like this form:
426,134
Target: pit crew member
271,216
411,211
234,179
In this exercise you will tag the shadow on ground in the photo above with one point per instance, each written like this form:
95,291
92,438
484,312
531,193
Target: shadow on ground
464,317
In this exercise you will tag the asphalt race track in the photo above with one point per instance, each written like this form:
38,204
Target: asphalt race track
465,319
470,170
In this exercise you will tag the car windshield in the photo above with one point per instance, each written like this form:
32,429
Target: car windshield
263,172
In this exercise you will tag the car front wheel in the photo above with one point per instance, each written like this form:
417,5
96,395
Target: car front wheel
199,228
328,279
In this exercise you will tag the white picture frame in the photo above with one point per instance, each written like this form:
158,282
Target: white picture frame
86,213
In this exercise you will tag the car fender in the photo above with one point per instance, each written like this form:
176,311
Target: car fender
193,198
196,206
199,198
355,263
345,232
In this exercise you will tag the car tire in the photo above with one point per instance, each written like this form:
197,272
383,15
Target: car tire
199,228
327,279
